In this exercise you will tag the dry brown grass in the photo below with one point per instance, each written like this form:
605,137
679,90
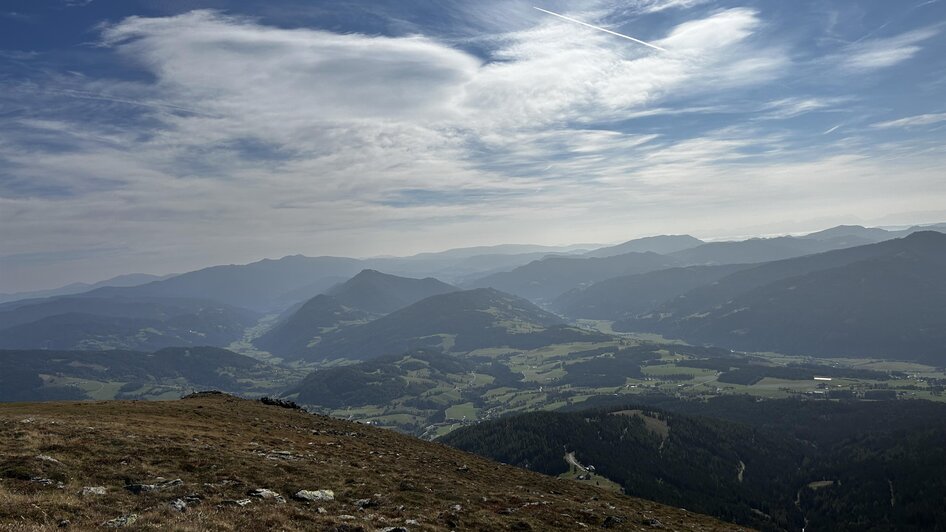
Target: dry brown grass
221,447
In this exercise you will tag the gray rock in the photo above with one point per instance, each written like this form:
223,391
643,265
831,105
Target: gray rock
179,504
263,493
315,496
47,458
123,521
93,490
367,503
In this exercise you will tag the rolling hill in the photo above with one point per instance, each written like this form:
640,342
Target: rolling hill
215,462
886,300
453,322
543,280
296,334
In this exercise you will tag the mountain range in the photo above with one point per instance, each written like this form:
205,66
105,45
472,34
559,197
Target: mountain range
689,293
883,300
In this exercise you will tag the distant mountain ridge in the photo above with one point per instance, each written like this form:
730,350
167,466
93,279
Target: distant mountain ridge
663,245
627,296
256,286
381,293
545,279
881,300
131,279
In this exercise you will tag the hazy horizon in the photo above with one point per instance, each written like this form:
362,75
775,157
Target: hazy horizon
574,246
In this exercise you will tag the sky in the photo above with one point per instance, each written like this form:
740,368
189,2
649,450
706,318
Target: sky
156,136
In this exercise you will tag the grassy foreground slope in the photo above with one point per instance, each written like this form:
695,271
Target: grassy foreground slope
221,448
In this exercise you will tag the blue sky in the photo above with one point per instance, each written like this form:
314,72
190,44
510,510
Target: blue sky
154,136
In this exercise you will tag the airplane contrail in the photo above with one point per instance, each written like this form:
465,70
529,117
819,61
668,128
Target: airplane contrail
628,37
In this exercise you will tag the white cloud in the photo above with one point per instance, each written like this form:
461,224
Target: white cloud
797,106
656,6
258,141
883,53
912,121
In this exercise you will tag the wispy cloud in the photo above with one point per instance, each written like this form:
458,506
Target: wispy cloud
656,6
796,106
912,121
876,54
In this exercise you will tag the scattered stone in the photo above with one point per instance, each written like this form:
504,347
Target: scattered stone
652,522
263,493
322,510
236,502
179,504
367,503
159,485
64,523
412,522
464,468
123,521
346,517
456,508
47,458
281,455
613,521
93,490
193,499
315,496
